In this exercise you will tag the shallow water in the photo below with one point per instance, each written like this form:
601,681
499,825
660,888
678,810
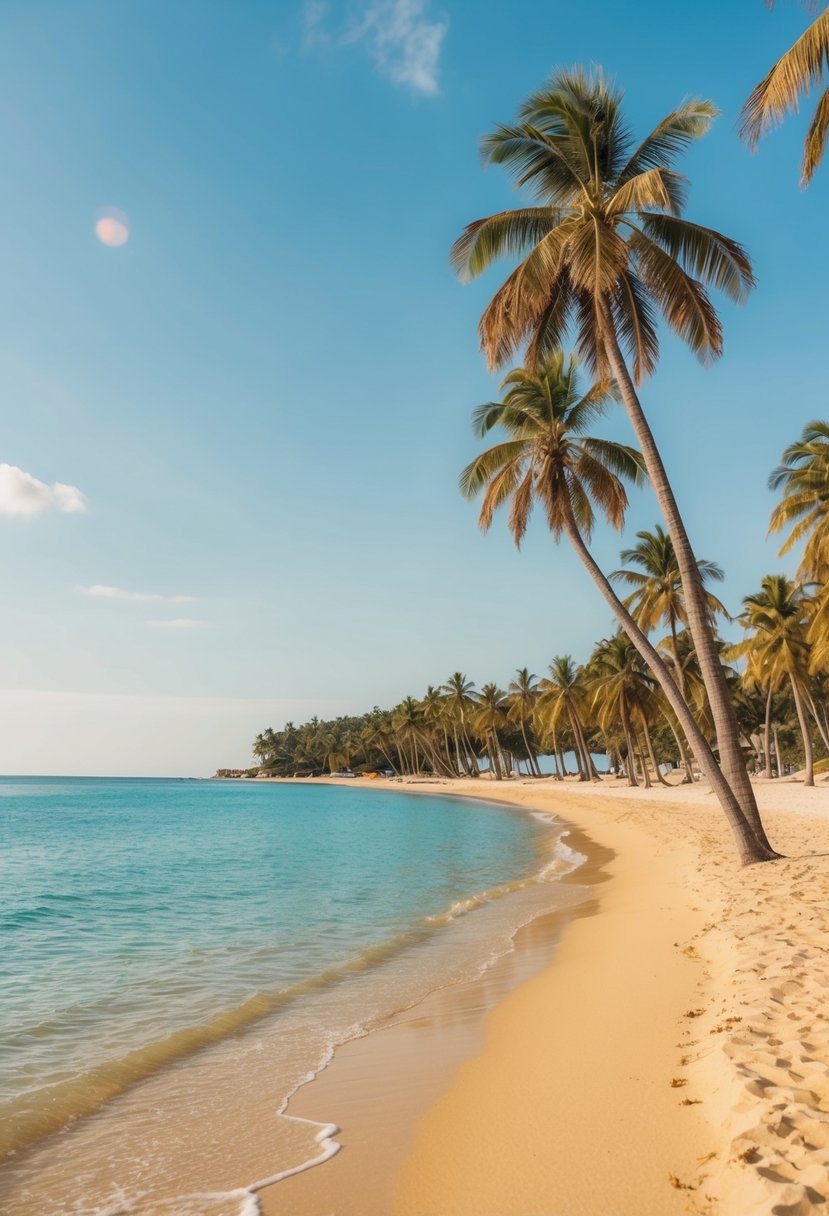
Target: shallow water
181,956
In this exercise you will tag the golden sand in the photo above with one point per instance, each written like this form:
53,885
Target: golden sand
673,1056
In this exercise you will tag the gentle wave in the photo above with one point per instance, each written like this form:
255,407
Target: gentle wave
36,1115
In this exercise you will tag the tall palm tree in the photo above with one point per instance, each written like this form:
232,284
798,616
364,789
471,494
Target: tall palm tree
549,458
605,250
523,696
794,76
777,616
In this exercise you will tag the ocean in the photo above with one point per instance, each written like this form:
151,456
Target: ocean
178,957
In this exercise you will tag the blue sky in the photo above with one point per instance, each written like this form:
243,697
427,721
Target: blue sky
262,398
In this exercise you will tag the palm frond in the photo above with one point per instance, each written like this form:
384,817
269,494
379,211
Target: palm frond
794,74
815,144
684,302
706,254
487,464
670,138
509,233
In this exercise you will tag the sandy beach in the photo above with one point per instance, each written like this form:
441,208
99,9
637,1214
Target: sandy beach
670,1055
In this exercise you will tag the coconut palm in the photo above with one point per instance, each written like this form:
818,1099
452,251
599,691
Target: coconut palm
460,700
523,697
803,476
657,597
548,458
778,617
623,692
795,74
603,252
562,696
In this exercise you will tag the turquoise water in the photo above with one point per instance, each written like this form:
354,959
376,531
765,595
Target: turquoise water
130,909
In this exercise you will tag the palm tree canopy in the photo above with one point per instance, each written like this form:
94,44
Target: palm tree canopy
794,76
547,456
657,594
777,617
607,241
803,476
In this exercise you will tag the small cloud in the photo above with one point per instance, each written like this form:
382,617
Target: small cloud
401,39
404,44
102,592
22,494
180,622
315,15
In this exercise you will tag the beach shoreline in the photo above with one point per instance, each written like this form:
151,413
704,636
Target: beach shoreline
653,1085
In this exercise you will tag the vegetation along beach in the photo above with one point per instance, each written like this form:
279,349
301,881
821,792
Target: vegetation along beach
509,892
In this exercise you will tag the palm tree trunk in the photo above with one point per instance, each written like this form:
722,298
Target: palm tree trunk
684,759
722,708
809,779
651,755
767,733
810,701
777,751
630,761
584,773
749,845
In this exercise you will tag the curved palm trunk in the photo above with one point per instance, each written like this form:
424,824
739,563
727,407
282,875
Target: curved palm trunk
749,845
584,774
767,734
805,732
722,709
777,751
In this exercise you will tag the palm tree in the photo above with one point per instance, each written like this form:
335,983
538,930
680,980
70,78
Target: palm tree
604,251
778,617
460,699
488,719
793,76
562,695
623,692
548,458
523,695
657,597
803,476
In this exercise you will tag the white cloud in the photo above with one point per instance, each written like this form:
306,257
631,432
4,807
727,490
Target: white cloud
102,592
22,494
404,44
180,622
315,15
402,40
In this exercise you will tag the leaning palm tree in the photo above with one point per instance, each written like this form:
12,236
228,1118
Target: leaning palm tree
488,720
605,250
777,618
460,701
549,458
795,74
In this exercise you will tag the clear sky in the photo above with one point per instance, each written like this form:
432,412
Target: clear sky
245,422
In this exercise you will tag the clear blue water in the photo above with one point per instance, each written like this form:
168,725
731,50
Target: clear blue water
141,919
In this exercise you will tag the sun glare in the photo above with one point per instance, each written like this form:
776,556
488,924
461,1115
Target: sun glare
112,228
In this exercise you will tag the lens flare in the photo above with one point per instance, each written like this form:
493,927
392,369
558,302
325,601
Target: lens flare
112,228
